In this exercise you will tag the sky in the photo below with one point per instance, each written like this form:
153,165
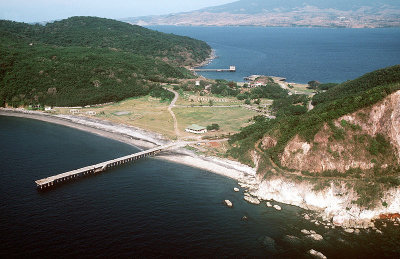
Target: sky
48,10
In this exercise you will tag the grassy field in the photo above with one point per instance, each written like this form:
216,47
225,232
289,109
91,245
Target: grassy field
151,114
144,112
191,98
229,119
301,89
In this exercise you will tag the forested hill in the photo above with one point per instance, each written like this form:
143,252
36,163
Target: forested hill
106,33
88,60
343,99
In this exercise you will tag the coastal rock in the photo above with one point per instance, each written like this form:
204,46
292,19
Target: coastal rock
307,217
349,230
277,207
317,254
245,218
313,232
269,204
236,189
228,203
305,232
316,237
251,199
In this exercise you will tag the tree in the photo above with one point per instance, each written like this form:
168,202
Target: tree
313,84
213,126
247,102
211,102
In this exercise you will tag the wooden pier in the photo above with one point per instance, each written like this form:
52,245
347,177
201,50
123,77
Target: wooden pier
230,69
95,169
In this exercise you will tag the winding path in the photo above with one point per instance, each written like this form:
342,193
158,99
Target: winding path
171,105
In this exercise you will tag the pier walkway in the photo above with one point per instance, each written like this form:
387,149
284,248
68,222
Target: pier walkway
51,181
98,168
230,69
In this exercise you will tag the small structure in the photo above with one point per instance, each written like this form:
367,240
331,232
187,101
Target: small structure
74,111
48,108
197,83
91,113
232,68
194,128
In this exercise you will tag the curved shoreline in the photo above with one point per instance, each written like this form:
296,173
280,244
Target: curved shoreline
141,139
245,175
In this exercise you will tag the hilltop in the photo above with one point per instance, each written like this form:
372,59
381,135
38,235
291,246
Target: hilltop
351,134
88,60
351,13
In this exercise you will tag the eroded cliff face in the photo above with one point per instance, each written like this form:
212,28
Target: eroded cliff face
334,202
326,153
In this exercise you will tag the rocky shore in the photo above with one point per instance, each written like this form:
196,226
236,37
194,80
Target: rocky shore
330,207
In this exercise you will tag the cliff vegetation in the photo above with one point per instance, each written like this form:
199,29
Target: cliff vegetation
351,134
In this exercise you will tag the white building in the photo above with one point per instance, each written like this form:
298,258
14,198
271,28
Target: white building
196,129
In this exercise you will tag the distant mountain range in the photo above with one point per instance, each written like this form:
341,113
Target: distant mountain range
304,13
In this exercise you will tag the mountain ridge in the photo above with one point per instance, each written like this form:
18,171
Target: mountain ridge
288,13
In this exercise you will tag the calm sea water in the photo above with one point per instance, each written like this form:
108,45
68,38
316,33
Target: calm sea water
150,208
299,54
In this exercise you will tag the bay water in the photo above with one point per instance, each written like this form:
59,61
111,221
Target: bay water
153,208
150,208
298,54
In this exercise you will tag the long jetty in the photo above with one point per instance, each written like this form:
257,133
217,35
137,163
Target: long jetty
230,69
95,169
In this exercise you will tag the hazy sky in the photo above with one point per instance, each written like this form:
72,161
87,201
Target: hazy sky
46,10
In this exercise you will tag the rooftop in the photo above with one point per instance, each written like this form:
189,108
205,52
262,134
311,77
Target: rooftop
196,127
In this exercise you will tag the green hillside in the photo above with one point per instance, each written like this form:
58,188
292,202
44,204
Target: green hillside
340,100
87,60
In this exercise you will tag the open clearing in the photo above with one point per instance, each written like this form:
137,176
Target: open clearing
151,114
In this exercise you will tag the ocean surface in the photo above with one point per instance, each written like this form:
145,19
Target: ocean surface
298,54
150,208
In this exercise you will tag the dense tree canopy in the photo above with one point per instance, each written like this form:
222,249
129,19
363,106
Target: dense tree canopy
86,60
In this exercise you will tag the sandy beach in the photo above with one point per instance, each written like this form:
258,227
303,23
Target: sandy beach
141,139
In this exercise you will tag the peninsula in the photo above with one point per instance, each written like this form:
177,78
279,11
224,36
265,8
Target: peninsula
317,146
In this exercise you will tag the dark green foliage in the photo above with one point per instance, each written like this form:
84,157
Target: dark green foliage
378,145
284,128
326,86
213,126
348,125
224,88
159,92
363,84
269,91
337,133
313,84
290,105
86,60
242,96
106,33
